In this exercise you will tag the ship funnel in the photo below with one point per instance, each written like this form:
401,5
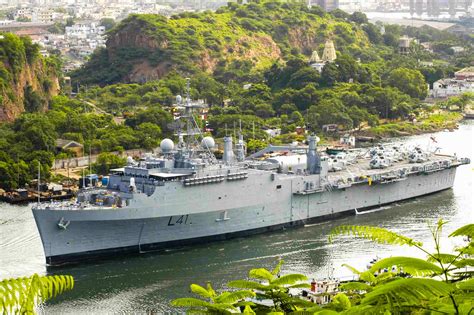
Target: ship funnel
313,161
228,156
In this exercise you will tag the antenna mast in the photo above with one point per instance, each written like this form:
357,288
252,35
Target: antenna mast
39,180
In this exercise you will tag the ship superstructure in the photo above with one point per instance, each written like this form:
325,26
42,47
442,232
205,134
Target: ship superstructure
186,196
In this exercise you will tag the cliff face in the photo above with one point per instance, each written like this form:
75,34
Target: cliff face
146,47
27,80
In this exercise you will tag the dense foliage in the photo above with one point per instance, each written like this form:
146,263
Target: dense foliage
29,92
24,295
32,137
442,283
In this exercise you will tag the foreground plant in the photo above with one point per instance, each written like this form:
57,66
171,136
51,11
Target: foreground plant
440,284
24,295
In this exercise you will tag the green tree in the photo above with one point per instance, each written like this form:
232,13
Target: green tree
107,161
409,81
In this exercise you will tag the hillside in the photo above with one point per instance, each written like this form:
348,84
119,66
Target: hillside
252,36
27,80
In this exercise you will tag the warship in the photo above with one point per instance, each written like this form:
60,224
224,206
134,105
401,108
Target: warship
186,196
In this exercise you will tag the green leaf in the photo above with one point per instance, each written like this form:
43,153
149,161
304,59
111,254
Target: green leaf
413,266
444,258
375,234
352,269
466,230
261,273
246,284
407,290
467,285
190,302
468,262
248,310
300,286
195,288
24,294
232,297
355,286
289,279
276,270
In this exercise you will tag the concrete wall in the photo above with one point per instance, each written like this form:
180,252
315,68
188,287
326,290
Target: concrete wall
84,161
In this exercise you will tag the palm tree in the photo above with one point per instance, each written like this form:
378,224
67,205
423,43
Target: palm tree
23,295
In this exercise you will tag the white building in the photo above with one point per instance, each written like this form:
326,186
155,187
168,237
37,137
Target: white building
451,87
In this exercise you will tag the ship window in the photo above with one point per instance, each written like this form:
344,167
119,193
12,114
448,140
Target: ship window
278,186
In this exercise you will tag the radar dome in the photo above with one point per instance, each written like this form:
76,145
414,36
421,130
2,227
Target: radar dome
166,145
178,99
130,160
208,143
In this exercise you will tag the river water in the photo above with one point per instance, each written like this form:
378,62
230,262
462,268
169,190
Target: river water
148,282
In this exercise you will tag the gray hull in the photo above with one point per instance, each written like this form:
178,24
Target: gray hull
173,217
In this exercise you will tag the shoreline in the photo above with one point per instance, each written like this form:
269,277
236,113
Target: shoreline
433,123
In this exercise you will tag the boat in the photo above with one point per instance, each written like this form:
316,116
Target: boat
186,196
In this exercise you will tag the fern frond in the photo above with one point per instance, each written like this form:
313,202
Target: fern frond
277,269
375,234
261,273
355,286
443,258
232,297
299,302
468,262
248,310
300,286
289,279
367,276
196,288
407,290
326,312
412,266
246,284
211,290
24,294
310,310
190,302
466,230
354,271
467,285
383,277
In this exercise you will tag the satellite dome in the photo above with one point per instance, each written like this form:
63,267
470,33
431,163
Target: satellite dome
208,143
130,160
166,145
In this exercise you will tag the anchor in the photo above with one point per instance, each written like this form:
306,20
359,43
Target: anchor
62,224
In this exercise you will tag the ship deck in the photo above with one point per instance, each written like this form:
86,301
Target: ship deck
361,167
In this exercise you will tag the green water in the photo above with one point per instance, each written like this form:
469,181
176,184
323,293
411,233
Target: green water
147,283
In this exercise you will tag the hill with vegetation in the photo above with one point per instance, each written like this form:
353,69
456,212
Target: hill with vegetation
27,80
247,37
